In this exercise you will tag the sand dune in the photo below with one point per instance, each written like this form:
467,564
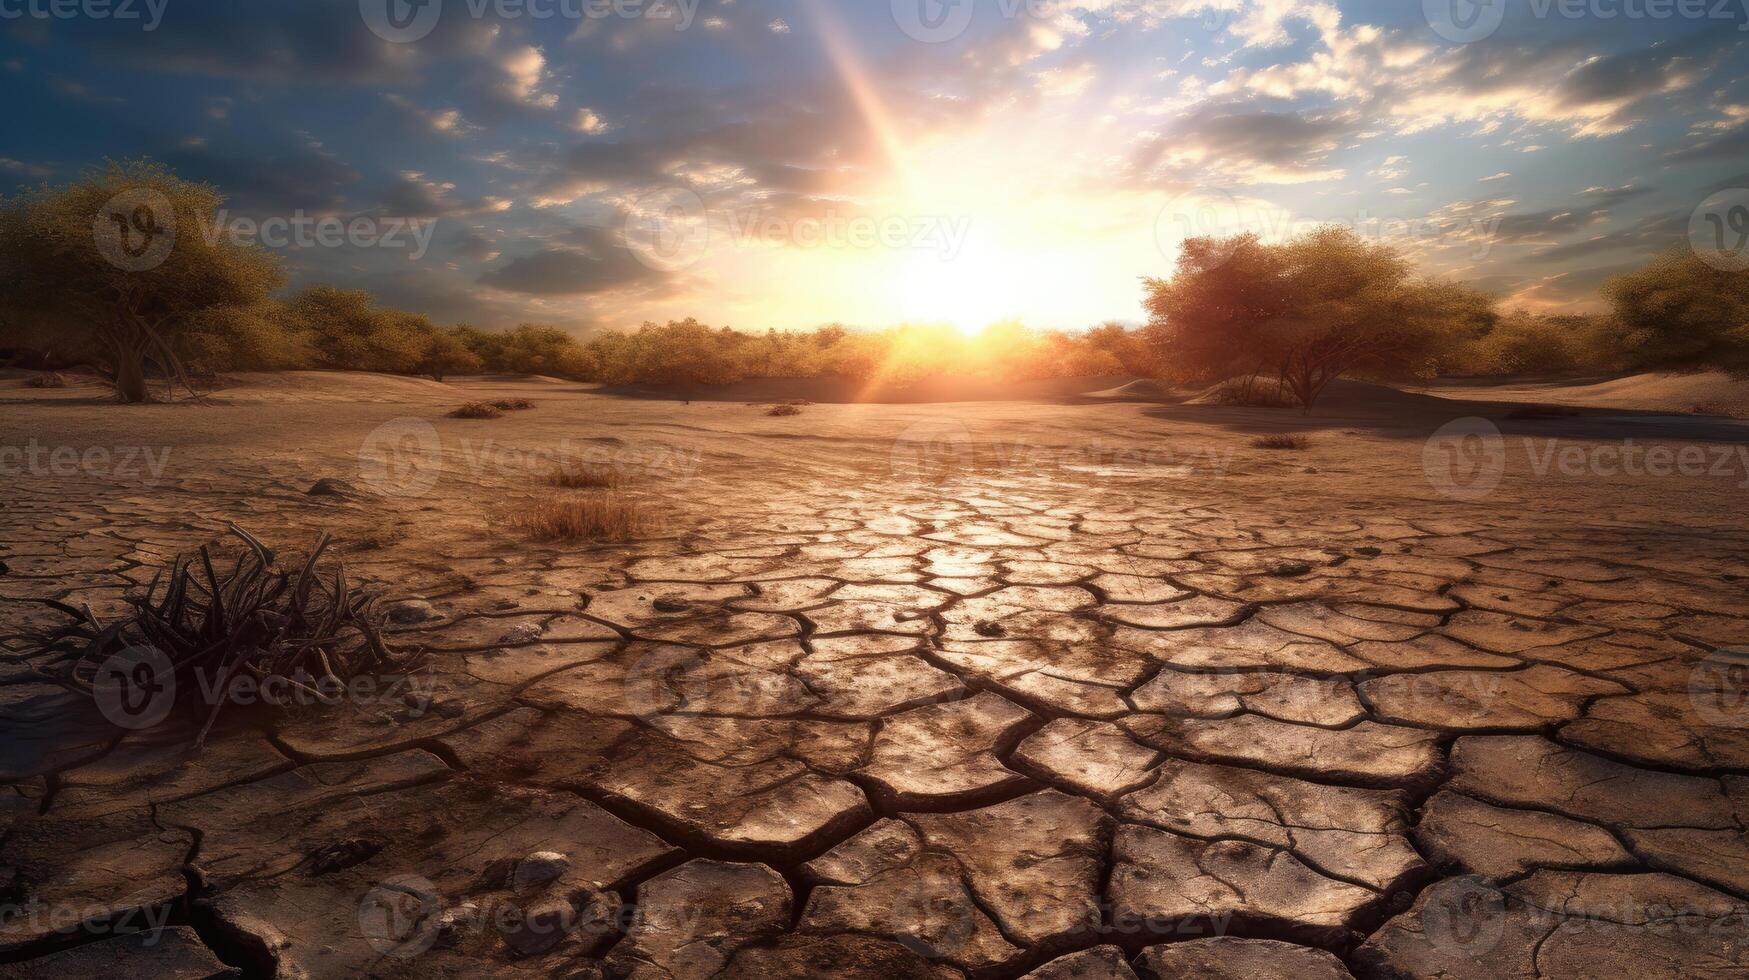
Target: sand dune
1698,393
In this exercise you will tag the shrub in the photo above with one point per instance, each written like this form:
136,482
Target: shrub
1252,392
512,404
256,623
588,478
602,516
477,410
784,411
47,379
1281,441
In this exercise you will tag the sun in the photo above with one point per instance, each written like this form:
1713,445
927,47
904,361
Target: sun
968,288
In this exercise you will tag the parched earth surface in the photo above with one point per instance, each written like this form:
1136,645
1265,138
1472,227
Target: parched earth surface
982,690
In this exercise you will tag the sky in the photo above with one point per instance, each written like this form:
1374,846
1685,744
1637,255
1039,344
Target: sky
595,164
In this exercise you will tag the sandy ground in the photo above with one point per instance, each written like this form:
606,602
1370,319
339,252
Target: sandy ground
1081,686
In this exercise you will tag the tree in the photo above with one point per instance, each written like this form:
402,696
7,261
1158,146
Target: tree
350,332
446,354
120,263
1305,311
1679,312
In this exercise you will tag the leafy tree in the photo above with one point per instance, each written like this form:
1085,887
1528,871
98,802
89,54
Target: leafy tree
446,354
1306,311
117,265
1679,312
348,331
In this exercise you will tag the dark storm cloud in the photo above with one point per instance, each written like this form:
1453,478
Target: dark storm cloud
1591,207
597,264
1249,136
1646,235
1730,143
278,40
299,174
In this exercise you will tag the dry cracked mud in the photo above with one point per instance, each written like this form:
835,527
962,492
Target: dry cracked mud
842,716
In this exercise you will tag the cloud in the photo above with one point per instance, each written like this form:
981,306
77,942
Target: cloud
411,195
598,264
299,174
589,122
1244,145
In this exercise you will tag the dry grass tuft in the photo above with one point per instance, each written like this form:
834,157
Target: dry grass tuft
784,411
1281,440
1253,393
477,410
600,516
47,379
588,478
512,404
297,629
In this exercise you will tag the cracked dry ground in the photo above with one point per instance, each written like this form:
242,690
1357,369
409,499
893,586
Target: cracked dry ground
1298,719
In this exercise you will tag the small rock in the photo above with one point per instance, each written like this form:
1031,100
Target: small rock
343,854
409,611
1291,569
672,605
526,633
986,627
539,868
540,926
1369,551
451,924
331,487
